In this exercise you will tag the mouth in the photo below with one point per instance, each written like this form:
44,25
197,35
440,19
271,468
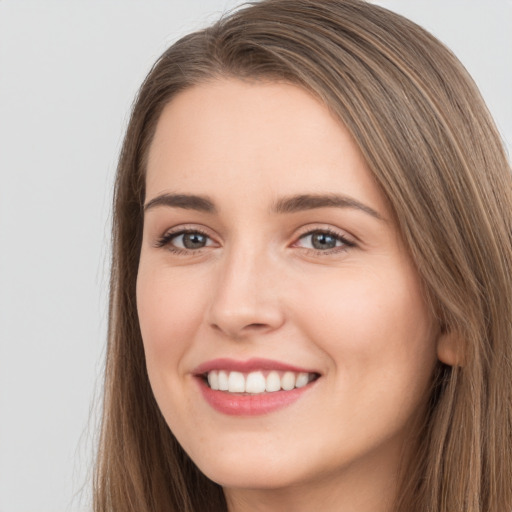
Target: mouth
253,387
257,382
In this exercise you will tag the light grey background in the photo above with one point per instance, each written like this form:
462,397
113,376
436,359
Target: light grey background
68,73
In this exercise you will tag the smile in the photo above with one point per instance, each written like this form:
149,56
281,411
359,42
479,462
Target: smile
252,387
257,382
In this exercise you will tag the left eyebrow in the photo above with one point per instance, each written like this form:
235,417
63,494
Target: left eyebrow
185,201
312,201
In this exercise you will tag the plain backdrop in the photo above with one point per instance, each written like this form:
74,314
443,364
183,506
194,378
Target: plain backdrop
68,73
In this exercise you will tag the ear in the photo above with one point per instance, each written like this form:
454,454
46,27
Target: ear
450,349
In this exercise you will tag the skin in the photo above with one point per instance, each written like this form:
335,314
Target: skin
355,314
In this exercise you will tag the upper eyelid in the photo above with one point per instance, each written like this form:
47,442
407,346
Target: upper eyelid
346,241
169,234
299,232
313,228
306,230
330,232
188,228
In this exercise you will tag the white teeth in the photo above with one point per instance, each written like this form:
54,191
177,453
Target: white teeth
302,380
288,381
223,381
273,382
255,382
213,380
236,382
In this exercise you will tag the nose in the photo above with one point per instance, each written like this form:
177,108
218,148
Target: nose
246,298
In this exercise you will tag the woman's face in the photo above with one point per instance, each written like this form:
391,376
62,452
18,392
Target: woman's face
271,265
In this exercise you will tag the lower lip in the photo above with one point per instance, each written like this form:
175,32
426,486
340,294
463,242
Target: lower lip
250,405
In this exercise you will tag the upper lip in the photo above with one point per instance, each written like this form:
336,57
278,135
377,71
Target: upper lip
247,366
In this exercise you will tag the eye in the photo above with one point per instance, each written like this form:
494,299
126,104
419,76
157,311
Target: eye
324,241
185,240
190,240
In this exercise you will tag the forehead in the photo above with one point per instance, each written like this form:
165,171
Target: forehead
261,138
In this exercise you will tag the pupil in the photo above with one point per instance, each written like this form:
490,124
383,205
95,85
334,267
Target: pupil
323,241
194,240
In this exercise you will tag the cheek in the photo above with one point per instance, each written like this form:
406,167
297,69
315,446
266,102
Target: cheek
170,311
373,325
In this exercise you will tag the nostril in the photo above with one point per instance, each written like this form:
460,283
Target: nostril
239,332
245,319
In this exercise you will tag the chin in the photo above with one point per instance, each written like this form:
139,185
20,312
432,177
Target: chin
246,472
251,478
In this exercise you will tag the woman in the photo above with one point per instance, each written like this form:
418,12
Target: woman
311,285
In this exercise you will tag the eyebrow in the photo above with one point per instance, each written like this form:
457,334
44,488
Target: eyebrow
185,201
290,204
312,201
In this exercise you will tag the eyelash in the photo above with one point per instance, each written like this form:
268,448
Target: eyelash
166,241
346,243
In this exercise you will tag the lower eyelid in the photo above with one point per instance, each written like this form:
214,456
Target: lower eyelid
165,241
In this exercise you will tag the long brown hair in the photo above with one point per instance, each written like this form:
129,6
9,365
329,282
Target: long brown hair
434,150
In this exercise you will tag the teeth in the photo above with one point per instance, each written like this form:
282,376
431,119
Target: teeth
236,382
223,380
213,380
256,382
302,380
288,381
273,382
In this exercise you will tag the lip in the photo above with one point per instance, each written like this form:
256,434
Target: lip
241,404
249,365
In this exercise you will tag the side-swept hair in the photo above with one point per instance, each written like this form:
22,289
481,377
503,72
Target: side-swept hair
434,150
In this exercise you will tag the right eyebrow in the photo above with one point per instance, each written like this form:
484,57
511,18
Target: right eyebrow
185,201
303,202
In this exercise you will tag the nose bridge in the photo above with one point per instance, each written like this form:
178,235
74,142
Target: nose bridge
245,298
